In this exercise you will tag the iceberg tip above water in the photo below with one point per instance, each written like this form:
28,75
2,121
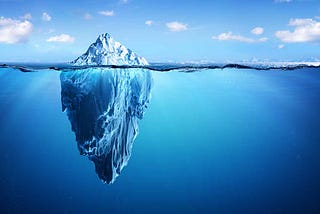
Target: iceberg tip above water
106,51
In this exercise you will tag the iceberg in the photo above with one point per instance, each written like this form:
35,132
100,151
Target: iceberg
107,51
103,106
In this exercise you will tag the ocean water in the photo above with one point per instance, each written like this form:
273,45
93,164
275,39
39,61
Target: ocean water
210,141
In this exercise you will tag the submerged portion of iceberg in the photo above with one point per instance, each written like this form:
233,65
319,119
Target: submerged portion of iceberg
107,51
103,106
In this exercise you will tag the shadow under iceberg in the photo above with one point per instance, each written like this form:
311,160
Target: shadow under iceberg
103,106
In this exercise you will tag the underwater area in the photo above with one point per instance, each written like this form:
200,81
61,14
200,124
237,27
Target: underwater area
142,140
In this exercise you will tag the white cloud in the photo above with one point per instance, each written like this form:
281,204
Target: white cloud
107,13
257,30
230,36
299,22
149,22
281,46
87,16
305,30
14,31
46,17
63,38
282,1
176,26
26,16
263,39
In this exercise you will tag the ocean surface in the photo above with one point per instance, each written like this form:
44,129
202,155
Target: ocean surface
200,140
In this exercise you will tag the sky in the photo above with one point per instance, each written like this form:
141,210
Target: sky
162,31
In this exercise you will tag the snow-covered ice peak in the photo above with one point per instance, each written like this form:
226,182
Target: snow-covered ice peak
106,51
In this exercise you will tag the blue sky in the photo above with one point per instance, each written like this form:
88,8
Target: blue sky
162,31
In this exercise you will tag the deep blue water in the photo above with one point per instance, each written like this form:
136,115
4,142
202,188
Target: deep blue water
215,141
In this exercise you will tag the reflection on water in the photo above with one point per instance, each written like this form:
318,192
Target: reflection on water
103,106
